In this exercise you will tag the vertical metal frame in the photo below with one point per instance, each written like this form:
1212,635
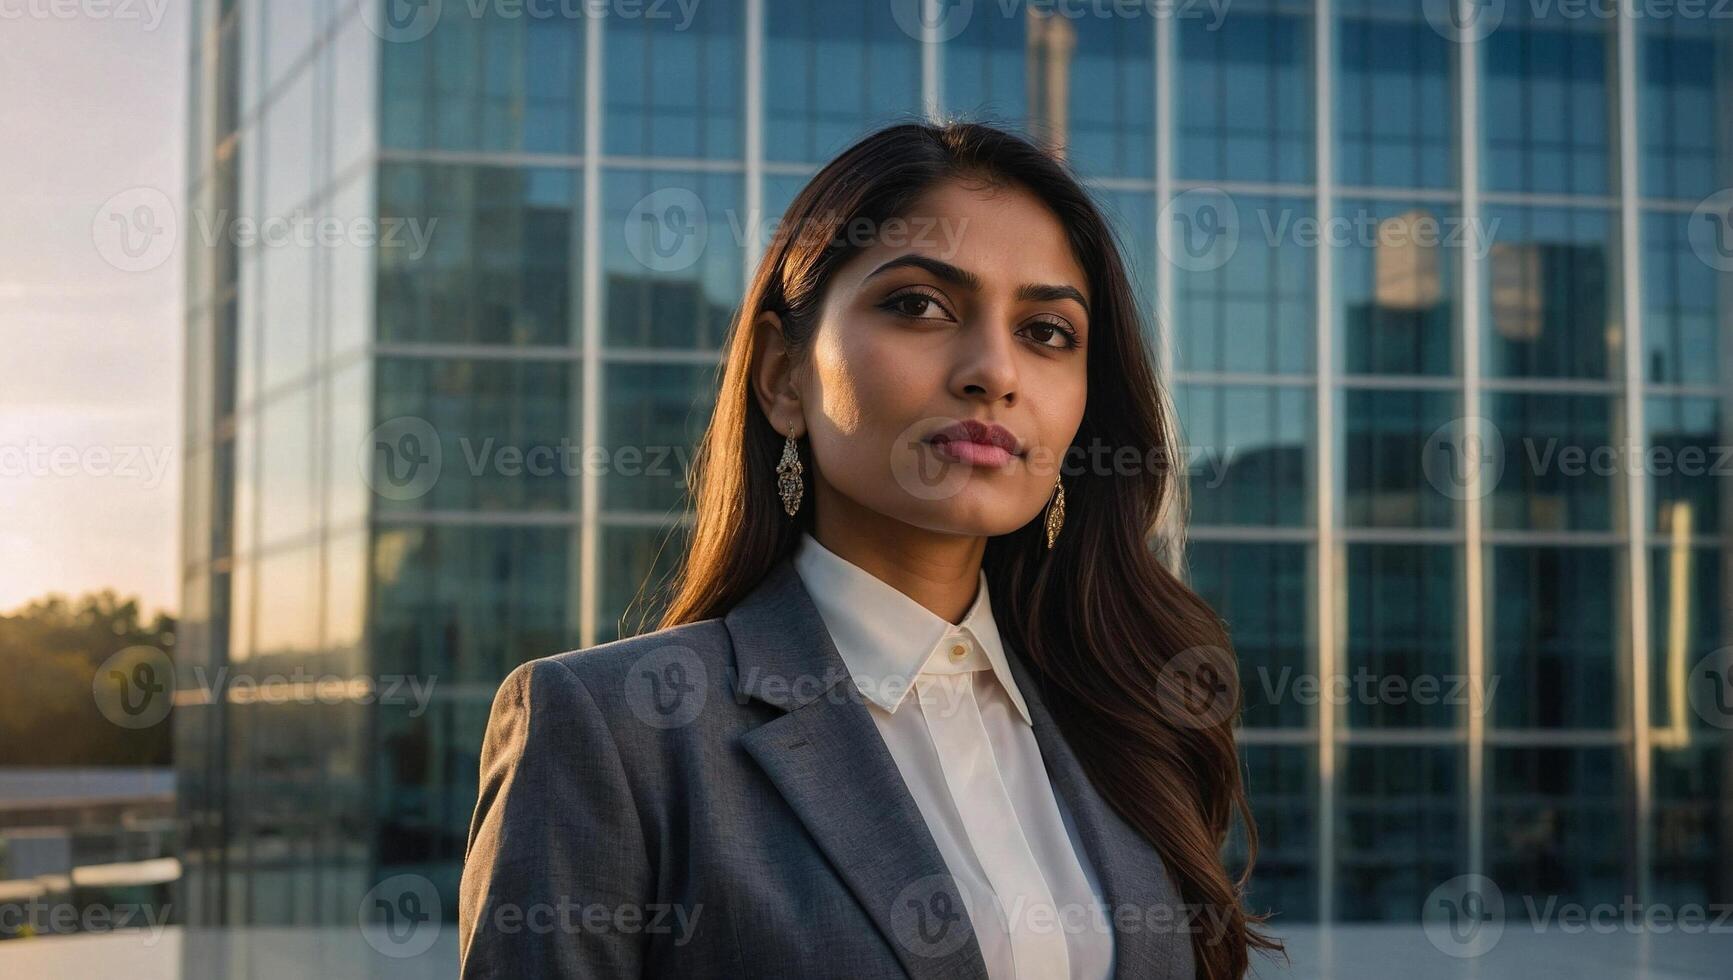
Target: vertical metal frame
1329,601
1469,329
590,422
1636,440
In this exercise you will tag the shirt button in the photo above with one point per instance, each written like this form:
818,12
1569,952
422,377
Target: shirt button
958,651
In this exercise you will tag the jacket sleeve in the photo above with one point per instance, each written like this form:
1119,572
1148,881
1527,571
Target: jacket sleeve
556,862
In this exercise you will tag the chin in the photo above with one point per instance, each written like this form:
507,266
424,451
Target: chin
975,513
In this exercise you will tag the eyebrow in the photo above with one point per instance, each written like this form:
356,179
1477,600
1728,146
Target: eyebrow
958,276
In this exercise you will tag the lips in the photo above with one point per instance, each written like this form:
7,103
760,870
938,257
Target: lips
971,435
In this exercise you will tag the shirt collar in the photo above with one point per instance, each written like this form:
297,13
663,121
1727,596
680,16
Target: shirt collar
884,636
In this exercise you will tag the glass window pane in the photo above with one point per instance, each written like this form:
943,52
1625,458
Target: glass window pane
1131,214
1545,101
1693,791
505,429
287,156
673,247
286,314
288,28
1243,283
286,617
288,487
1403,829
1243,93
346,603
1682,292
480,255
1394,98
675,82
1556,472
1386,434
1250,453
1260,590
1078,78
1396,286
655,415
354,267
1685,72
428,774
466,604
1686,465
1404,637
832,74
348,418
1281,781
1551,293
1685,633
640,561
493,77
1557,828
354,66
1551,611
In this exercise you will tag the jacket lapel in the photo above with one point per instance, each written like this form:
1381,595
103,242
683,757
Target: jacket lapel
828,760
826,757
1134,882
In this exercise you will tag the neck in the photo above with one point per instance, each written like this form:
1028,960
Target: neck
940,571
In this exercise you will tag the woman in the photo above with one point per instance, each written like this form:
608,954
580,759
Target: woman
923,702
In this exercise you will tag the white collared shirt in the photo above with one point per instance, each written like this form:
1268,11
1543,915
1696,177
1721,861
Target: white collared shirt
944,699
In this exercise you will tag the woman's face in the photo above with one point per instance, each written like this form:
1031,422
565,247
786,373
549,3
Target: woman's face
973,309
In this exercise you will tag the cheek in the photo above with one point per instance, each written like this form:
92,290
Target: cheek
1058,412
869,386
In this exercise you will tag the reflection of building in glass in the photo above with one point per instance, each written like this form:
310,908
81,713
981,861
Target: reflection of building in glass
1051,40
564,166
1518,292
1406,262
86,849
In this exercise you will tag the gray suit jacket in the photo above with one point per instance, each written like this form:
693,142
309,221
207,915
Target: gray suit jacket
714,800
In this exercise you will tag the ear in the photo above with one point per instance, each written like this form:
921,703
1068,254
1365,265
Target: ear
773,377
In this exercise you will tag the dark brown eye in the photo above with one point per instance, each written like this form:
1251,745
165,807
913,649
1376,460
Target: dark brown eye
916,305
1047,331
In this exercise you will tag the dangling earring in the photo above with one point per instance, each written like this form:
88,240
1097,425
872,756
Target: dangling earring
1055,513
788,480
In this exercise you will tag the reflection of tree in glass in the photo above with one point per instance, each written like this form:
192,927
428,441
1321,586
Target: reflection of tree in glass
50,650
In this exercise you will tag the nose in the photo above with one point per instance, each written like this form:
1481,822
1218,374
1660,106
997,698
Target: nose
986,363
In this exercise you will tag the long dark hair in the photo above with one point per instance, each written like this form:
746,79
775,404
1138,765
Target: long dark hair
1099,618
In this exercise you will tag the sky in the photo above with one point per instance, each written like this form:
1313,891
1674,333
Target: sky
90,353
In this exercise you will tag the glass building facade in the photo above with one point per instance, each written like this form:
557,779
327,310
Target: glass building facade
1378,420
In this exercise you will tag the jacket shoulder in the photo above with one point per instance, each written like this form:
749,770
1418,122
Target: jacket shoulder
697,653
